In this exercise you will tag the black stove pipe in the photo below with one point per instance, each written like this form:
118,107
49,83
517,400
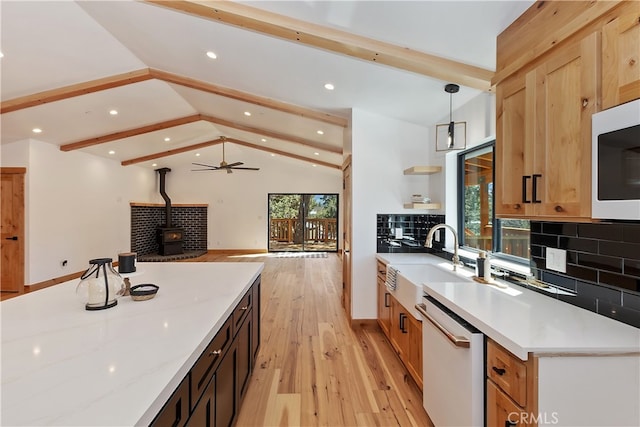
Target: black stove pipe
163,172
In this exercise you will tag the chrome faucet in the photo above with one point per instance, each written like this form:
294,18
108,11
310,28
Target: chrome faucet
429,242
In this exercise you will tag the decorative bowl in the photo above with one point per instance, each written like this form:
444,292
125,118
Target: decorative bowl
143,292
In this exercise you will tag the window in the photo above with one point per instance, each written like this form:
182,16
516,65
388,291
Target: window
478,228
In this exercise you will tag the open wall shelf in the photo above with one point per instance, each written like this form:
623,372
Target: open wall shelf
422,170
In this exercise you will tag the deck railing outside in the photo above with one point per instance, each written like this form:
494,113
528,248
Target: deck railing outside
315,229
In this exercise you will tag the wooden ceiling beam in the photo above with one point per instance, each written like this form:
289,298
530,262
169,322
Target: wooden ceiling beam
272,134
247,97
78,89
129,133
284,153
171,152
334,40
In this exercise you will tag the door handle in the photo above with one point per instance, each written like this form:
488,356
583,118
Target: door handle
12,238
535,188
524,188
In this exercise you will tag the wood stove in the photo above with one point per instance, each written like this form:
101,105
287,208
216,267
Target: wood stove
169,238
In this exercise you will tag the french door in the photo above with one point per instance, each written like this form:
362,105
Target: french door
303,222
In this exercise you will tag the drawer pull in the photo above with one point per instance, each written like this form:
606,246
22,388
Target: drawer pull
215,353
508,423
244,308
499,371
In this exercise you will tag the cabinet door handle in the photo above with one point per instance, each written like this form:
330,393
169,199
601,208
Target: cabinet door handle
535,188
524,188
499,371
215,353
508,423
244,308
402,317
386,299
12,238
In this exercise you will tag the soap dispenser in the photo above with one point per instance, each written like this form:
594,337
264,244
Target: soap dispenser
480,264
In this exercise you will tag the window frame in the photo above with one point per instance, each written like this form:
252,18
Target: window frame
496,242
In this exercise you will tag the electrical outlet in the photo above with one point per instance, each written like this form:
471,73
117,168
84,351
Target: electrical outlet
557,260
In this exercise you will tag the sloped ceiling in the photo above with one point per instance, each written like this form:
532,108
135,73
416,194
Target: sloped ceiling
66,64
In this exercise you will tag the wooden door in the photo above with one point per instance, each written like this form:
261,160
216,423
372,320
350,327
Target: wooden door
346,240
621,58
564,92
511,167
12,230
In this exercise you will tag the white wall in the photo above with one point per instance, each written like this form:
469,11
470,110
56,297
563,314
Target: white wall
238,215
382,148
76,207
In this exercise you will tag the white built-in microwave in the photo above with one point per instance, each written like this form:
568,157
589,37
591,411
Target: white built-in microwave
616,163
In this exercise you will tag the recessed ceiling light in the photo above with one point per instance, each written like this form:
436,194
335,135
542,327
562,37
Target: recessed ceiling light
113,112
212,55
37,130
246,113
1,55
316,154
197,154
313,165
154,164
112,152
263,140
320,132
329,86
273,155
167,139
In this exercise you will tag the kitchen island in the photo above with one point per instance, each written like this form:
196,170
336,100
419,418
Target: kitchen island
64,365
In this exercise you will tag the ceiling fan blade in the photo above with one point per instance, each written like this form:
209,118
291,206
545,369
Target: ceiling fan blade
229,170
249,169
206,166
231,165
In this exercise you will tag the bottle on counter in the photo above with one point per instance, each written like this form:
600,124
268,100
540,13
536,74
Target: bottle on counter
480,264
487,268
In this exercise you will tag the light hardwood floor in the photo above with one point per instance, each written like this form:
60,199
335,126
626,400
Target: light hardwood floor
313,368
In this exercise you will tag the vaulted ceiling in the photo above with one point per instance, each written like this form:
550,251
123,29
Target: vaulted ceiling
66,65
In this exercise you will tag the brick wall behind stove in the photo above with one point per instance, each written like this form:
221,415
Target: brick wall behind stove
146,219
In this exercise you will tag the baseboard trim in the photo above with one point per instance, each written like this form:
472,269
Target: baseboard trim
55,281
236,251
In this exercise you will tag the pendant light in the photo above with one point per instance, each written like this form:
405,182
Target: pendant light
451,136
451,88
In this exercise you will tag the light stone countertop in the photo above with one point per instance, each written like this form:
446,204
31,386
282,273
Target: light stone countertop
522,320
64,365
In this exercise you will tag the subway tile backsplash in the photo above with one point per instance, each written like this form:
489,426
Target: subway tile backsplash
603,265
414,229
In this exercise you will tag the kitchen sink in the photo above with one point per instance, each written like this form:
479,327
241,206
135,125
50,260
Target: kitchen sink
411,277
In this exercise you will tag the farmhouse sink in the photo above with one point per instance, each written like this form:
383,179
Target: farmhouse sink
411,277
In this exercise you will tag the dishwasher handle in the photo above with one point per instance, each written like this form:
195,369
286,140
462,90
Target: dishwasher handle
456,340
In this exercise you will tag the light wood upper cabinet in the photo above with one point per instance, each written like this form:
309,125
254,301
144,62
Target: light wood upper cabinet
621,58
543,145
510,167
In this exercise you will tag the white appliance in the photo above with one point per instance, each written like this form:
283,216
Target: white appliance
615,158
452,367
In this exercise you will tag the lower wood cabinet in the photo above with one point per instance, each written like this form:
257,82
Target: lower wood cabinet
213,390
403,331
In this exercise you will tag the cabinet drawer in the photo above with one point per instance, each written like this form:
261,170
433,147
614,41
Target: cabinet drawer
501,411
207,363
241,310
176,411
508,372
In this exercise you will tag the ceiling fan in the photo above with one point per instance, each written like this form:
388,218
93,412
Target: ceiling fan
223,164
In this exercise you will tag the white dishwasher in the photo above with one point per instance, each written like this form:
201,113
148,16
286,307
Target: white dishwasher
452,367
